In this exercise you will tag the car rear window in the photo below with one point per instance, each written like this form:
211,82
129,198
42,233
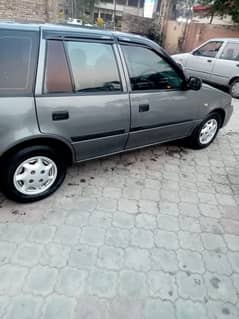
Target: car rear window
18,58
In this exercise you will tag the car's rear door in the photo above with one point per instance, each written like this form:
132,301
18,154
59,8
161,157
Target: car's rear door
84,97
227,65
161,109
201,62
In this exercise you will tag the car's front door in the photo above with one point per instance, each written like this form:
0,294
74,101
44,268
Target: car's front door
160,109
227,65
201,62
87,105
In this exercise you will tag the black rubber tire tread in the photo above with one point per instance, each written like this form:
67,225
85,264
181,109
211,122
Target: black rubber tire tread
194,139
13,161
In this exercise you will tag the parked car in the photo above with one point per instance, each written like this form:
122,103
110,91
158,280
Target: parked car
70,94
216,61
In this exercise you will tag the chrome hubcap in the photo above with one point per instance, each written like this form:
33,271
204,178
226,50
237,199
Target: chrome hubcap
235,89
208,131
35,175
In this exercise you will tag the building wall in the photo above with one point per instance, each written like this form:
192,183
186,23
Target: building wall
108,8
136,24
181,37
31,10
197,33
174,33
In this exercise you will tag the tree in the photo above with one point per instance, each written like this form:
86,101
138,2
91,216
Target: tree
221,7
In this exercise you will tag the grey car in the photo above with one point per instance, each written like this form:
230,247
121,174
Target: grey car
215,61
69,94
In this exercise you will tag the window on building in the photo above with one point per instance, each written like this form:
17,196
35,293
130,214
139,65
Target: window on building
148,71
121,2
57,76
133,3
18,57
231,52
93,66
210,49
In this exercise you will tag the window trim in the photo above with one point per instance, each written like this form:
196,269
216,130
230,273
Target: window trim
29,91
225,45
206,43
44,72
74,92
135,44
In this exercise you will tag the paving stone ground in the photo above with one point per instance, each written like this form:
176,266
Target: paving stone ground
152,234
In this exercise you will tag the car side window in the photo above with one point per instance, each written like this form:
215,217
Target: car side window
209,49
149,71
93,66
18,57
230,52
57,75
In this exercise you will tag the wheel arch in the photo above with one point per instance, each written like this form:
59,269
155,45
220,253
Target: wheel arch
233,79
58,144
222,114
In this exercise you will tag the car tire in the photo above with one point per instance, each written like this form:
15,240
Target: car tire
234,89
206,132
32,173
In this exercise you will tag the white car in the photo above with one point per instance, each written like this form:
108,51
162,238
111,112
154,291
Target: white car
215,61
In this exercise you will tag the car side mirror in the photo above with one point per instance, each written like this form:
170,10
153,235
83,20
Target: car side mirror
194,83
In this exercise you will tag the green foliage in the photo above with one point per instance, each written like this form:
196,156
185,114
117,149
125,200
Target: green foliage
222,7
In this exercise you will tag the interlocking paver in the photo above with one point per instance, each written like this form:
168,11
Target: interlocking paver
40,281
148,235
164,259
83,256
191,286
166,239
92,236
23,306
217,262
222,310
6,250
27,254
71,282
58,307
220,287
125,308
110,257
146,221
142,238
190,241
162,285
186,309
137,259
232,242
213,242
54,255
102,283
91,308
12,279
132,284
156,308
190,261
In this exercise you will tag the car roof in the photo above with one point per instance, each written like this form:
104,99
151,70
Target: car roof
224,39
71,28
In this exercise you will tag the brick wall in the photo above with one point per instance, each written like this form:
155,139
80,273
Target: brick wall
197,33
135,24
29,10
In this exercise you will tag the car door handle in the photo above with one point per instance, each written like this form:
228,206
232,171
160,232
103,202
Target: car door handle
209,61
237,65
143,107
60,116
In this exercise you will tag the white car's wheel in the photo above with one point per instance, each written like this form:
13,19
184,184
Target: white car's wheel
234,89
